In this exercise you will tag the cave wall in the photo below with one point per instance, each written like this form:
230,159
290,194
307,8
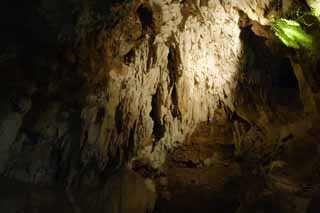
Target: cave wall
89,88
173,80
126,81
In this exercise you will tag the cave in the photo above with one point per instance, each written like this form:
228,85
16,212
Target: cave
151,106
285,79
268,77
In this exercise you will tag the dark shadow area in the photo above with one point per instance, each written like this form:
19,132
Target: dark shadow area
267,78
146,16
155,114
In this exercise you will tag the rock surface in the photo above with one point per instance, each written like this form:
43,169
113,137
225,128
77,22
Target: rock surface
132,83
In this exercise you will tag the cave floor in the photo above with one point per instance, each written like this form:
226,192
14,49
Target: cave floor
202,175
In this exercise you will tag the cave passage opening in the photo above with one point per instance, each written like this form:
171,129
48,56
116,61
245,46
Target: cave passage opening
268,74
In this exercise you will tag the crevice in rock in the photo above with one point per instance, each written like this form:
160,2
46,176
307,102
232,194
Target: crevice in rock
129,57
130,150
151,53
285,82
100,115
145,14
173,65
158,127
119,118
175,102
174,75
267,78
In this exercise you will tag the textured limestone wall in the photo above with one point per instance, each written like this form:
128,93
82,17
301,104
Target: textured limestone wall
124,82
153,70
137,78
165,76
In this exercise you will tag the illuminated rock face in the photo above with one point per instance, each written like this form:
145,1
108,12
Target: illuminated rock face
123,87
167,66
160,69
166,79
150,77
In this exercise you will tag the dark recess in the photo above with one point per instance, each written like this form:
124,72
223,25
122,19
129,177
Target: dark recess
158,128
285,75
173,65
129,57
130,146
269,71
175,102
146,16
173,62
118,118
100,115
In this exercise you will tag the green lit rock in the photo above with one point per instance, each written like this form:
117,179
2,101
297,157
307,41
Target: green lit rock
291,34
316,12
